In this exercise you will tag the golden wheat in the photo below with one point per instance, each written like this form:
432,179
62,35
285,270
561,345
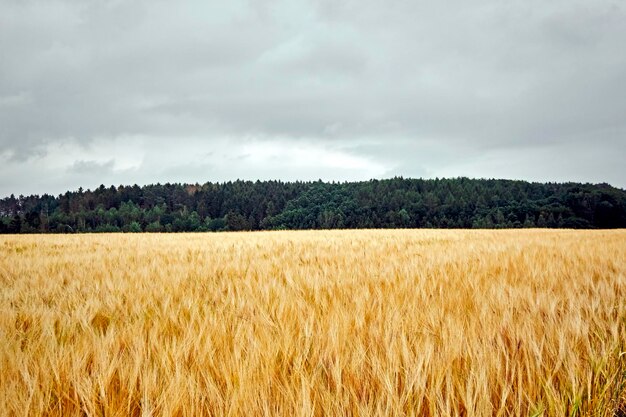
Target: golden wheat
332,323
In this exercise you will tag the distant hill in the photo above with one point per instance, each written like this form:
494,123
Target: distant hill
261,205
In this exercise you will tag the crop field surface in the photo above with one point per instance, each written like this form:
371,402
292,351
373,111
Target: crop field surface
314,323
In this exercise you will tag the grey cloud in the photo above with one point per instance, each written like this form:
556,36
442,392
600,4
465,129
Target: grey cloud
92,167
419,87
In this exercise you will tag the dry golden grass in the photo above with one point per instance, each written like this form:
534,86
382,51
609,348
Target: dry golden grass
333,323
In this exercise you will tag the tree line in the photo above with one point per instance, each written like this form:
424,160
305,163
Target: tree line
270,205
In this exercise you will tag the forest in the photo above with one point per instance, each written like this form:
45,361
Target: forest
270,205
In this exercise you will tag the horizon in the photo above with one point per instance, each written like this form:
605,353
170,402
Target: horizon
117,186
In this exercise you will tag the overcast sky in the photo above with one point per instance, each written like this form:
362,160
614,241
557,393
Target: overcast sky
124,92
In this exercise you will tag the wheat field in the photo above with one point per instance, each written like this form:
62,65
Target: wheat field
314,323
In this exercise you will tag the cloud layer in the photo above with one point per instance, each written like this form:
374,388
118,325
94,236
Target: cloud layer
143,91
